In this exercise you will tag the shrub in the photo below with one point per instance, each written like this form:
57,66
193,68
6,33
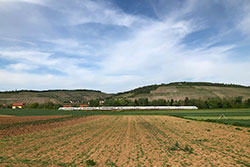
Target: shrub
188,149
176,144
90,162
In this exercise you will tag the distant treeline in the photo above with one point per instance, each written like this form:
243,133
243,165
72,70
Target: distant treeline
206,84
52,90
48,105
211,103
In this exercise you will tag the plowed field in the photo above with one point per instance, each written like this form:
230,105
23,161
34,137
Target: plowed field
130,141
29,126
5,119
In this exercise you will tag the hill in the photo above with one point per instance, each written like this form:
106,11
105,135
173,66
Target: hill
54,96
175,91
192,90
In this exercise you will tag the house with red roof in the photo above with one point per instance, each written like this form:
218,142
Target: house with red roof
17,105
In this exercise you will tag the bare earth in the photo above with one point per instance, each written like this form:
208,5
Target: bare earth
130,141
18,130
6,119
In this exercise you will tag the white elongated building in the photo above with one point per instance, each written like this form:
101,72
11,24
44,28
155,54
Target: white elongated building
110,108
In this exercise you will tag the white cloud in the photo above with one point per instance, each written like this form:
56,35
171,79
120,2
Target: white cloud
86,11
22,80
28,56
67,43
244,25
40,2
150,47
12,40
239,13
153,51
71,46
21,67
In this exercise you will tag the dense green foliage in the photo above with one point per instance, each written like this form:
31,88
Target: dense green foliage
211,103
205,84
90,162
48,105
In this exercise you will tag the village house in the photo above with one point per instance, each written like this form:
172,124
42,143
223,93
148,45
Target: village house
17,105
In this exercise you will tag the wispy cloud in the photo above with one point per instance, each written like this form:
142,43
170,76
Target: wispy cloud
244,24
102,12
98,45
21,67
28,56
40,2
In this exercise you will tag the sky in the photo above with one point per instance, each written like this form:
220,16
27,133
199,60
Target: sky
118,45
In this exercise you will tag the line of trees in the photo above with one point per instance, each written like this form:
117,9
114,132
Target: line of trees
48,105
211,103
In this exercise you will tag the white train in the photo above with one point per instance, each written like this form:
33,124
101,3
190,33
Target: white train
130,108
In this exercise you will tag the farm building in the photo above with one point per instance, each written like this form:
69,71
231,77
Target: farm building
17,105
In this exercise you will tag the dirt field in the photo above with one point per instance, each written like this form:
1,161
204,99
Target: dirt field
6,119
23,129
130,141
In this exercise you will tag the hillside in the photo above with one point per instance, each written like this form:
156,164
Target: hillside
55,96
175,91
192,90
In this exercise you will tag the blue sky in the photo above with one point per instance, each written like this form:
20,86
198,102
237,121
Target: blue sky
118,45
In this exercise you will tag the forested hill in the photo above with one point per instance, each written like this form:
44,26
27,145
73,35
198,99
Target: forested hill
192,90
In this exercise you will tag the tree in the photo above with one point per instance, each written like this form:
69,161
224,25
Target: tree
94,103
142,102
186,101
172,102
238,100
34,105
159,102
48,105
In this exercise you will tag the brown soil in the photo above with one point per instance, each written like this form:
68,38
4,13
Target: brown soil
18,130
130,141
6,116
5,119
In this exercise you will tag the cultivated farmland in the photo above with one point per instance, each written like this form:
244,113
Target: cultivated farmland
128,140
